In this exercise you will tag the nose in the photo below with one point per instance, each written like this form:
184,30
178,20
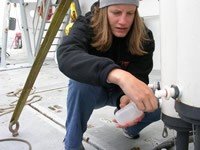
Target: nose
123,19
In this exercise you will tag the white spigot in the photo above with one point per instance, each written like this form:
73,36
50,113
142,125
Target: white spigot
168,92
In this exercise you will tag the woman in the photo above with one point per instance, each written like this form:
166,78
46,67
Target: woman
108,57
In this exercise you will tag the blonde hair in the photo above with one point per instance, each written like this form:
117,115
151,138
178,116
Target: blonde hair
102,38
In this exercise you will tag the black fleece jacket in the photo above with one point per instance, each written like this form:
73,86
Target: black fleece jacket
78,60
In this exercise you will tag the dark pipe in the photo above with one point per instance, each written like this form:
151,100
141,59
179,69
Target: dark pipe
197,139
182,140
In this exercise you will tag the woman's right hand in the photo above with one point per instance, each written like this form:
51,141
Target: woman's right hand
135,90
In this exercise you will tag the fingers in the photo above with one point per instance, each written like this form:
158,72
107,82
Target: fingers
147,104
146,101
154,103
124,100
150,104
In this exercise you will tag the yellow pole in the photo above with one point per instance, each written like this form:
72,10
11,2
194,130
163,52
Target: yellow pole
46,44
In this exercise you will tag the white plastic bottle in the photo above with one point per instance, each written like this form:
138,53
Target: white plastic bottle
128,113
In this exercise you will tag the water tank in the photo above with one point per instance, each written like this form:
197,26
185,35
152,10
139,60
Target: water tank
180,51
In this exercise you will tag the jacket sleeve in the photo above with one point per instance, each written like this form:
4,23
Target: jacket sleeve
74,60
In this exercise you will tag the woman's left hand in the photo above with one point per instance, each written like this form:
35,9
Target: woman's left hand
123,102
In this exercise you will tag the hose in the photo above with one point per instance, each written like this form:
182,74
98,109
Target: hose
19,140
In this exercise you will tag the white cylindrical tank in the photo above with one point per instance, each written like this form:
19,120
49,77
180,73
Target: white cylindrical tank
180,51
188,50
169,54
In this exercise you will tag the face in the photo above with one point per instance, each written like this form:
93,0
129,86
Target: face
120,18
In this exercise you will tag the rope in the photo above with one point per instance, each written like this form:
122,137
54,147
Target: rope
19,140
16,93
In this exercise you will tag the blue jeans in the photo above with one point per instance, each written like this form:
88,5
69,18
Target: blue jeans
82,99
